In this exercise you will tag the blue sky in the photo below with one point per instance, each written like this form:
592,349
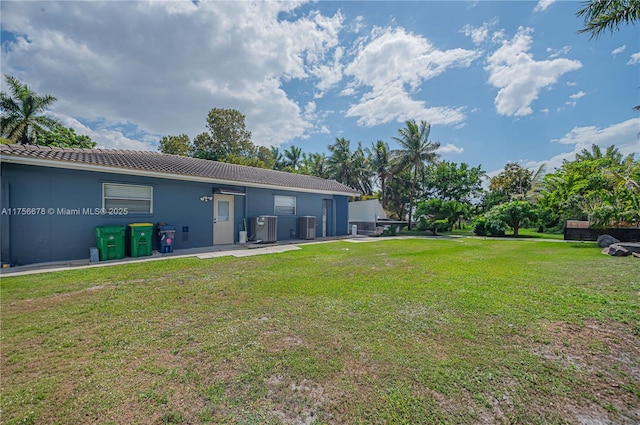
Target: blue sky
498,80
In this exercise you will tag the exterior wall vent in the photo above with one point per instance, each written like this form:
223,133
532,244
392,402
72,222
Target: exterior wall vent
264,228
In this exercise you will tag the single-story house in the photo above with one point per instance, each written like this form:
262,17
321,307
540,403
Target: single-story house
52,199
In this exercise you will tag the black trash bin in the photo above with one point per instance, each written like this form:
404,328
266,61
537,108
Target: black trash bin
166,236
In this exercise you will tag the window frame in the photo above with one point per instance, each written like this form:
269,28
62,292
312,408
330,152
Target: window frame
149,199
279,207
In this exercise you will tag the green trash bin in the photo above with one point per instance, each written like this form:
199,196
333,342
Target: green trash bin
110,242
140,239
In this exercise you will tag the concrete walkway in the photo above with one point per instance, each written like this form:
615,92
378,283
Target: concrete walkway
235,250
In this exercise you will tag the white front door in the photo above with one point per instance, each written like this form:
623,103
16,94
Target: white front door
223,219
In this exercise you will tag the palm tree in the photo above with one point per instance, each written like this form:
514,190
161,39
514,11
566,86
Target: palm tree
380,163
277,157
21,119
339,162
534,193
415,152
315,164
293,156
602,15
362,173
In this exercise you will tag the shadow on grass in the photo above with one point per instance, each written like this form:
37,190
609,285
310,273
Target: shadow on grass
586,244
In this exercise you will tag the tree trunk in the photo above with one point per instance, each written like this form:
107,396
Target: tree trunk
413,194
384,198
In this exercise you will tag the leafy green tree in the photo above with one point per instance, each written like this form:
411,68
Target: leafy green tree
22,119
455,182
398,193
437,214
203,147
416,151
514,181
489,223
228,139
265,156
580,189
515,214
492,198
380,163
175,145
65,137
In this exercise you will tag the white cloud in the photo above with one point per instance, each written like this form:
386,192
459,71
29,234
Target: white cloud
392,63
389,103
479,34
519,77
313,115
619,50
574,97
329,74
559,52
623,135
450,148
164,65
104,135
357,24
543,5
578,95
634,59
498,36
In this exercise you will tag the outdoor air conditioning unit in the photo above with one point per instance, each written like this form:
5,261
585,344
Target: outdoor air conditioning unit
264,228
307,227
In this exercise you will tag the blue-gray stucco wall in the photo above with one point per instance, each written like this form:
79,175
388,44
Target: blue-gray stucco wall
28,239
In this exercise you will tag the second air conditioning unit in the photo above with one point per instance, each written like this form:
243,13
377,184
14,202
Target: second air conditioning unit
307,227
264,228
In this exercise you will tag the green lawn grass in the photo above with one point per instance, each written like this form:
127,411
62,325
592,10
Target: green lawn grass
415,331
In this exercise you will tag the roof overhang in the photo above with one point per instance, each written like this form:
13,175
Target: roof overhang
40,162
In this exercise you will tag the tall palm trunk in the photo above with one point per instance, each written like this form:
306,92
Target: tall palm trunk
413,195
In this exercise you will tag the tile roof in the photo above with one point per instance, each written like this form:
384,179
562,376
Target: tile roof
173,166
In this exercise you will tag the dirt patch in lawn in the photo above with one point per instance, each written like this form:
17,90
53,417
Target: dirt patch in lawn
48,302
605,357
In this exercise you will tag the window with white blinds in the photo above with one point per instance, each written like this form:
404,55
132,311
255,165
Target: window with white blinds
135,198
284,205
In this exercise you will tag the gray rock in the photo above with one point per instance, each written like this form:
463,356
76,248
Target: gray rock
606,240
631,246
616,251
